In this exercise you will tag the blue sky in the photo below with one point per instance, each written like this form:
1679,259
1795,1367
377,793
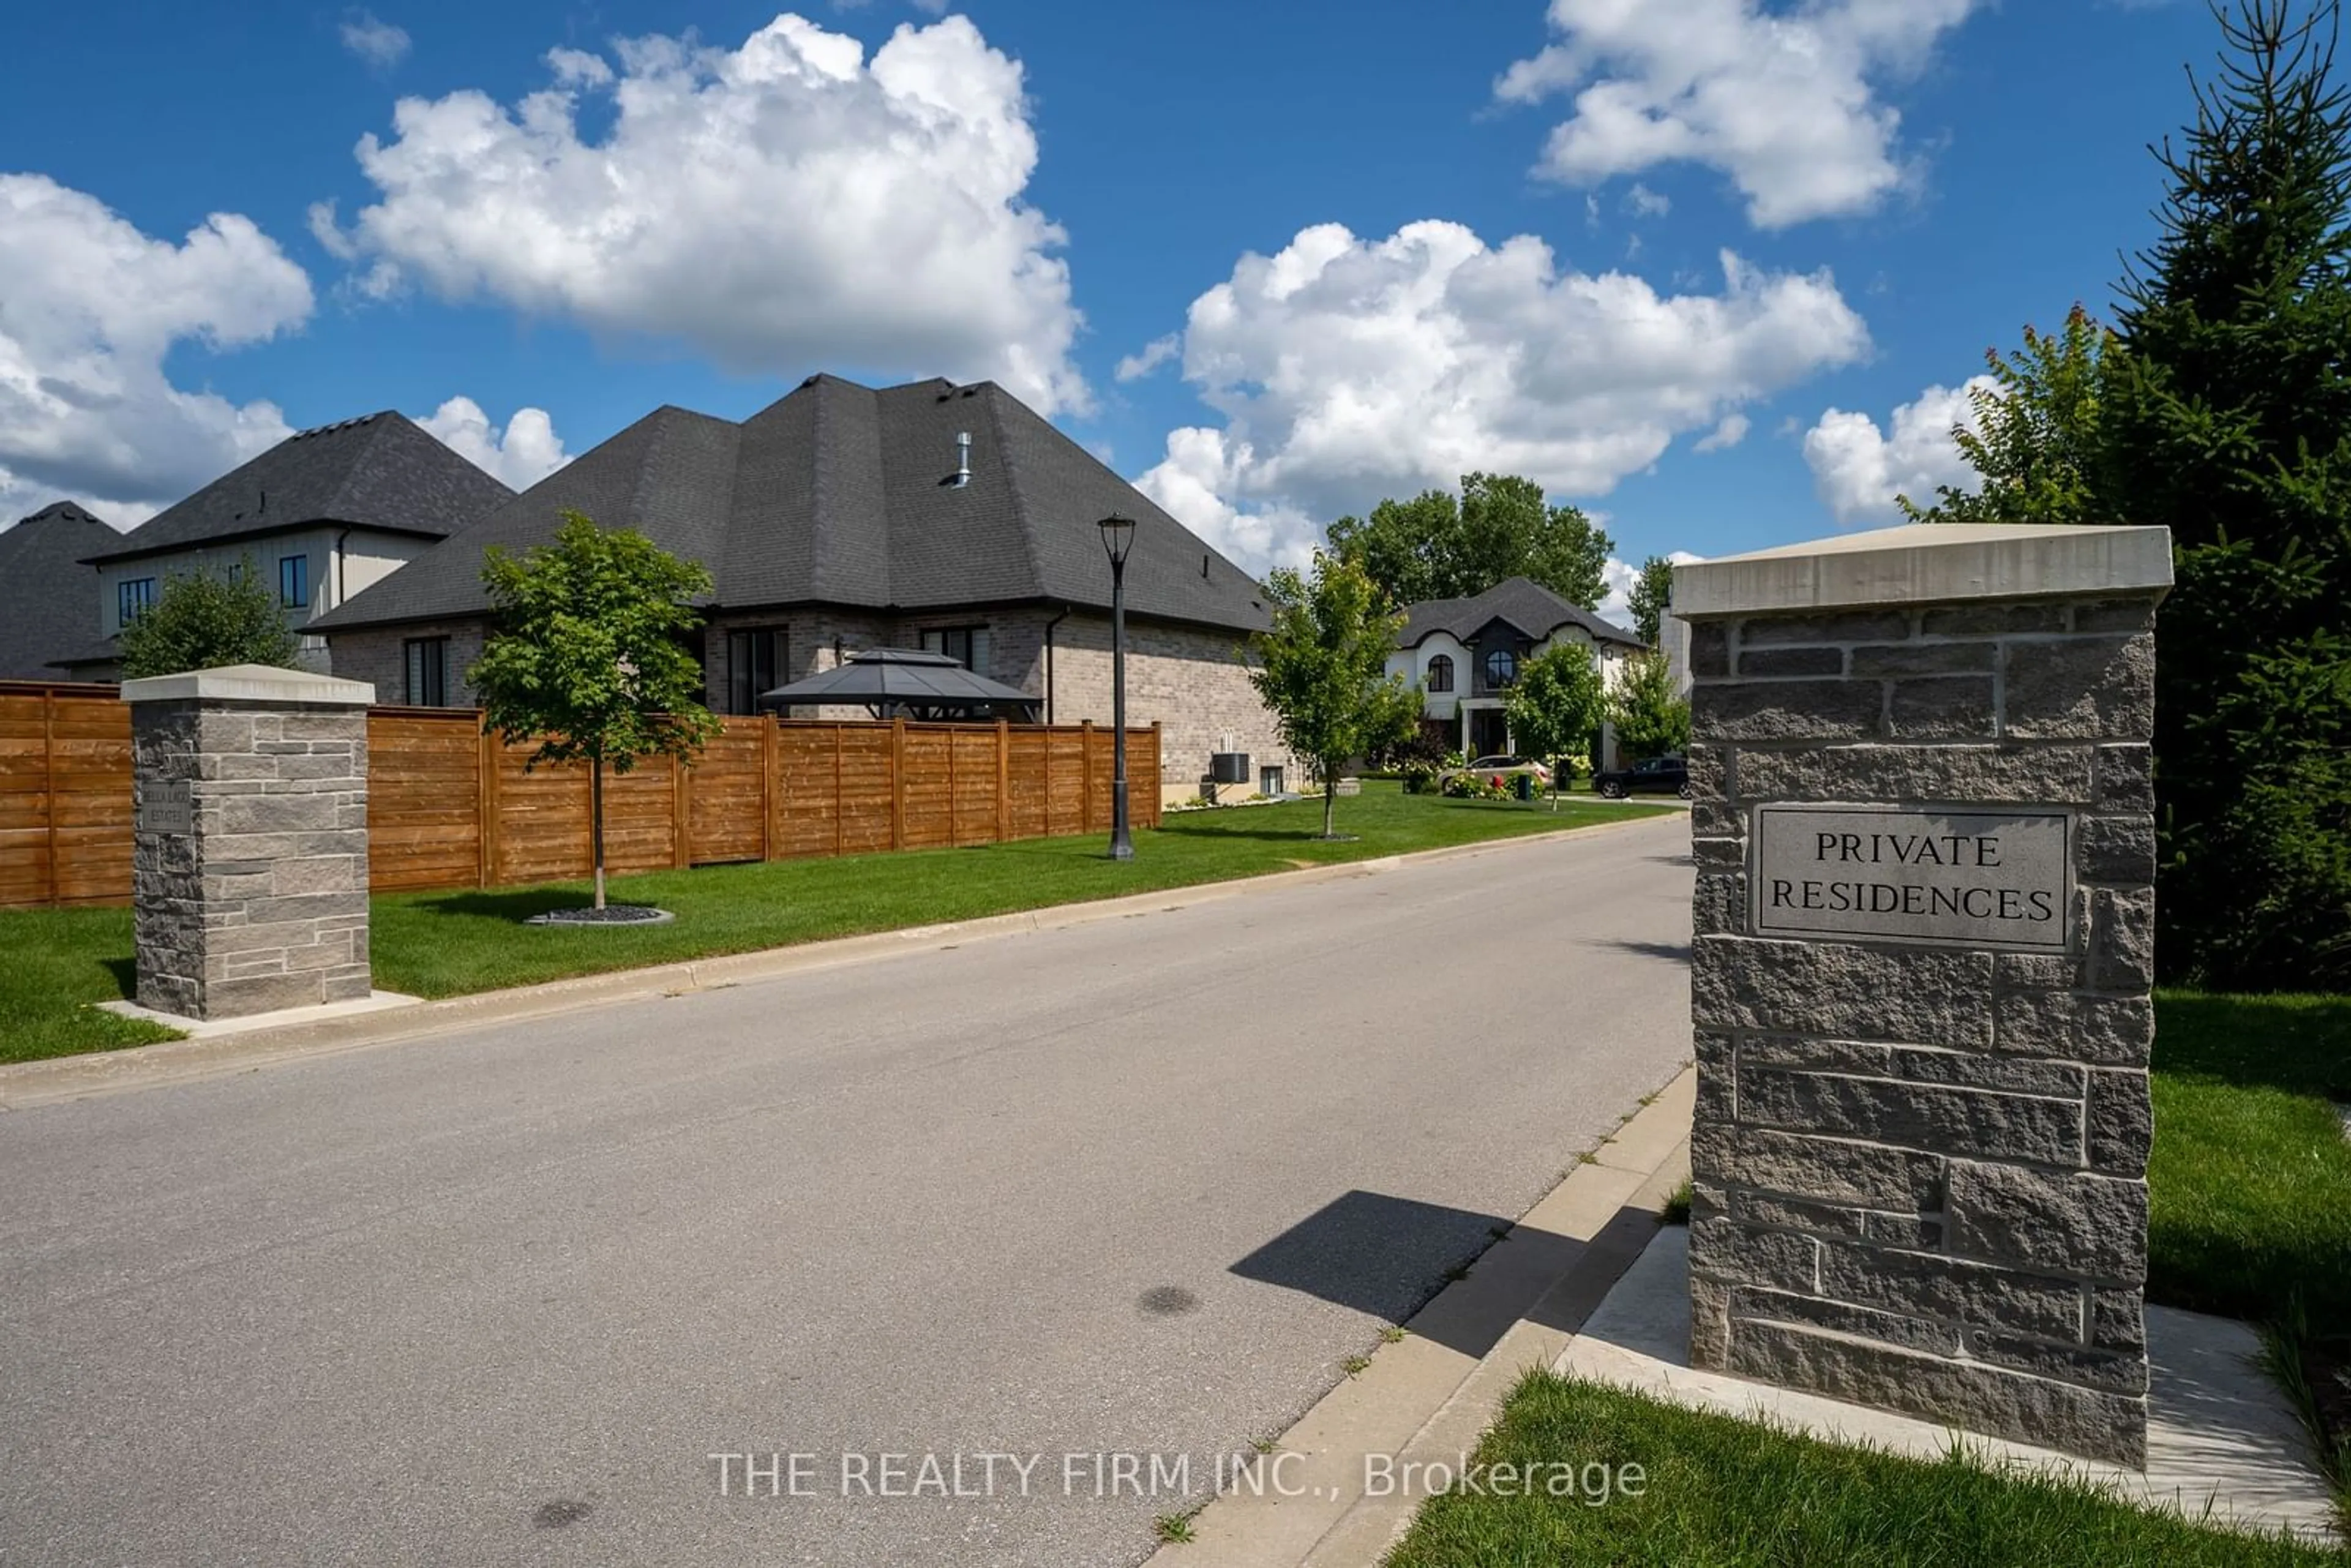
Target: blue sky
1470,252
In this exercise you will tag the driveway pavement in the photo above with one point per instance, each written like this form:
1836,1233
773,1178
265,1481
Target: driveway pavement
1130,1189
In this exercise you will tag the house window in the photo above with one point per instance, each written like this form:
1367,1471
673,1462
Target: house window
132,597
1440,673
1501,668
427,659
753,659
293,582
966,646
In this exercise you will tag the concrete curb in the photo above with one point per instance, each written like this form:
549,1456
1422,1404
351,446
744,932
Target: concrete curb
23,1085
1423,1401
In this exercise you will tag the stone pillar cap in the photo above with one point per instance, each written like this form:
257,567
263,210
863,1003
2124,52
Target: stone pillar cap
1923,563
250,683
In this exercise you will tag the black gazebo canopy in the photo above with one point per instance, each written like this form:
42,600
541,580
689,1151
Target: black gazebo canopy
904,681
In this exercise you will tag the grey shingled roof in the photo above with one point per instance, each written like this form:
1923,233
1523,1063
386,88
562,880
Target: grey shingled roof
49,599
378,471
1526,604
840,494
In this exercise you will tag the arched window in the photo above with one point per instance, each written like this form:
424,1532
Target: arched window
1501,668
1440,673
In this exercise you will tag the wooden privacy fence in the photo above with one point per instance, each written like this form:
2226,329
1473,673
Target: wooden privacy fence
449,807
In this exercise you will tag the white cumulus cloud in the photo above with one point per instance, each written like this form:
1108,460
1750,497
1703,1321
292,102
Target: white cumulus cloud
1616,605
1729,433
1786,103
1348,369
527,451
784,206
90,307
374,40
1859,468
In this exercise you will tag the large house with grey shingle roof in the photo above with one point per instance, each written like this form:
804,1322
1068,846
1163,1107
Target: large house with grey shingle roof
842,517
1464,654
318,517
44,587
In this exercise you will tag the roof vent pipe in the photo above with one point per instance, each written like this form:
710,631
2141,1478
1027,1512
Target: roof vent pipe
963,458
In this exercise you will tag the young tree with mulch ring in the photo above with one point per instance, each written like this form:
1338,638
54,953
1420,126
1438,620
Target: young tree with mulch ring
589,658
1322,669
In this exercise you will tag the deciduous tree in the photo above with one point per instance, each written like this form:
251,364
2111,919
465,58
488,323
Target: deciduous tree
1322,669
1650,716
588,657
1436,546
204,620
1651,592
1556,705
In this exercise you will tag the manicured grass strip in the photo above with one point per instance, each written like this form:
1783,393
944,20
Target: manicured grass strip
2250,1178
446,944
52,962
1718,1492
2249,1185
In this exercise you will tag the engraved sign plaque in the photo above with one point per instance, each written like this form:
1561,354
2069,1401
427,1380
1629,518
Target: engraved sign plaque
1957,877
164,808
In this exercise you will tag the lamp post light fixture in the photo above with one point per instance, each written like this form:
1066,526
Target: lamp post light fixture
1118,538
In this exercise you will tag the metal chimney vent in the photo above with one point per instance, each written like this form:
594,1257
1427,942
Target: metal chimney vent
963,458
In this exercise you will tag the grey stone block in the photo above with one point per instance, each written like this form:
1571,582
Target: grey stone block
1928,1118
2064,1222
1856,626
2118,1321
2088,688
1718,1099
1724,1249
1926,1335
1973,1070
1920,996
2037,971
1911,1232
1924,659
2118,1372
2115,849
1786,710
2119,1130
2122,939
2125,778
2114,1031
1718,854
1833,1170
1710,772
1927,1284
1941,707
1709,1322
1719,905
1754,1207
1790,661
1709,649
2054,775
1995,619
1714,818
1815,1055
2114,615
2092,1423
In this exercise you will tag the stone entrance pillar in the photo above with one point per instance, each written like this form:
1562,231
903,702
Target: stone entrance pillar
249,869
1925,839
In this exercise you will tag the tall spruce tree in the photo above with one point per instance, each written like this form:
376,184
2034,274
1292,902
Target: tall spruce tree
2228,418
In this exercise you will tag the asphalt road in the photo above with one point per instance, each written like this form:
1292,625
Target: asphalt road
1129,1187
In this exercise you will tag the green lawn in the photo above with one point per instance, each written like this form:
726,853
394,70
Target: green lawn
447,944
1718,1492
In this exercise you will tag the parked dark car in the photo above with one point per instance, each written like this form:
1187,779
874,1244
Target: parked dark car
1655,776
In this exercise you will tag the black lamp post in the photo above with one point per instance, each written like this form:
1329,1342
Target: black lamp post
1118,538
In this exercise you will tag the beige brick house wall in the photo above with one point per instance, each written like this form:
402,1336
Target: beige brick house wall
1190,680
377,654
